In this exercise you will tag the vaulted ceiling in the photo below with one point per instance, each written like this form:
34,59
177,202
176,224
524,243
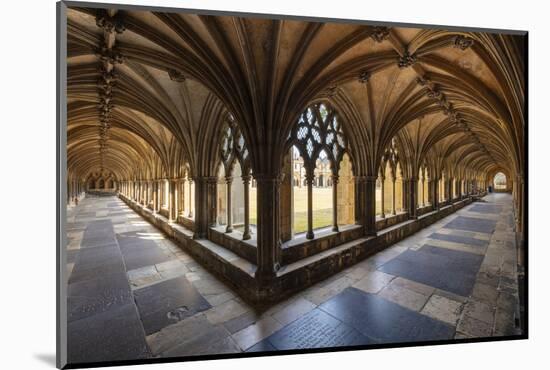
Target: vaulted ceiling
147,90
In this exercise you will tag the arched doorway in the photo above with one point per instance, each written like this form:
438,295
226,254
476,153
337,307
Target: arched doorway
499,181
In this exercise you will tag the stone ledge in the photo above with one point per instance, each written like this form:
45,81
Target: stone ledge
244,248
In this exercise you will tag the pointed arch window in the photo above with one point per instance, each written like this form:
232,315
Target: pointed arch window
318,147
234,199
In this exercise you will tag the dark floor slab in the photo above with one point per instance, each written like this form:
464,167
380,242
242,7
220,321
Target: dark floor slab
97,233
132,239
113,335
168,302
210,339
262,346
459,239
485,208
472,224
141,257
442,268
81,273
93,257
241,322
93,296
317,329
384,321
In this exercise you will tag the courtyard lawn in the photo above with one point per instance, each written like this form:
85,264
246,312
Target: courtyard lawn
322,208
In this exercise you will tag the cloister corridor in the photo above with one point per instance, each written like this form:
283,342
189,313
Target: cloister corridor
135,293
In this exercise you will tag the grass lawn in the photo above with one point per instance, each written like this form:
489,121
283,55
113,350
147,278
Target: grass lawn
322,208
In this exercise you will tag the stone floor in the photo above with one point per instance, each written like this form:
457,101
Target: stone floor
135,294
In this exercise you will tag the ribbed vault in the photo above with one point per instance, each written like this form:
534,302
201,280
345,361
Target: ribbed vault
149,91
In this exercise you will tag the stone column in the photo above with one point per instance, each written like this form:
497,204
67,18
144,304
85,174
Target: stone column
393,212
155,198
360,201
405,195
370,205
423,192
309,180
269,245
229,228
382,205
212,204
180,198
190,214
335,203
158,184
436,194
246,184
171,200
148,200
205,205
286,192
183,196
201,207
413,195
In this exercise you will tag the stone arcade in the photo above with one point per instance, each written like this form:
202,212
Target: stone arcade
287,169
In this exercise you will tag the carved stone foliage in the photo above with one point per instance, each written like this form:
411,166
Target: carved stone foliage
364,77
109,55
108,23
319,128
176,76
406,60
462,42
380,34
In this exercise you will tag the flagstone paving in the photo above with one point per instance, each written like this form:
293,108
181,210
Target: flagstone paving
135,294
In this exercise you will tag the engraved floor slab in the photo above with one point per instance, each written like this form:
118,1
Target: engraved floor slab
317,329
167,303
113,335
93,296
384,321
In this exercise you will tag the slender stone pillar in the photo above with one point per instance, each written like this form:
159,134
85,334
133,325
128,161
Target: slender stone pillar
382,205
335,203
360,201
269,245
205,205
246,184
183,181
190,214
171,200
370,205
180,198
309,180
423,192
393,211
201,207
212,204
155,197
436,194
229,228
413,195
